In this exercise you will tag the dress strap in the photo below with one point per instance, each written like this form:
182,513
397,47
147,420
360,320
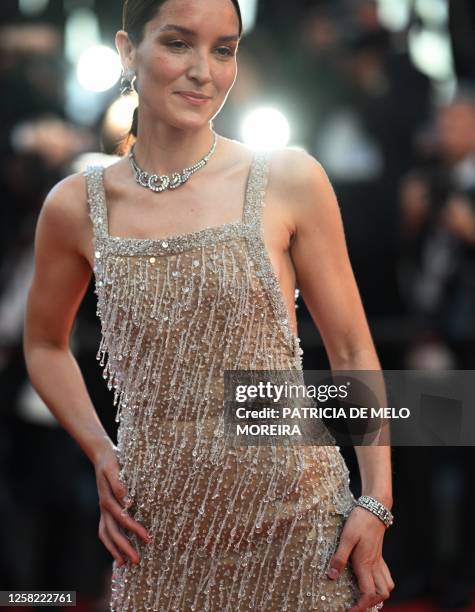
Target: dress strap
96,199
256,190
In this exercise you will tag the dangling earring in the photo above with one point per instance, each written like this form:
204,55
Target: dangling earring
126,82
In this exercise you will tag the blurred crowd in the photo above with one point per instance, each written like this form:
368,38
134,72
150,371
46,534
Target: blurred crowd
402,162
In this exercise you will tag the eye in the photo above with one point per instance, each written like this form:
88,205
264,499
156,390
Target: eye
177,44
180,45
225,51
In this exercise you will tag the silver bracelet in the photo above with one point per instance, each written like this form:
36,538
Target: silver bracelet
377,508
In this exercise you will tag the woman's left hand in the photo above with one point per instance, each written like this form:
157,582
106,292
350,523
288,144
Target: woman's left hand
362,540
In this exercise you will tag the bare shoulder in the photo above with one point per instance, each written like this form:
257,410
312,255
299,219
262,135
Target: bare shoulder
301,187
67,199
64,216
298,174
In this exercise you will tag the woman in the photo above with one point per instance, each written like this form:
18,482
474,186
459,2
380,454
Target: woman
194,275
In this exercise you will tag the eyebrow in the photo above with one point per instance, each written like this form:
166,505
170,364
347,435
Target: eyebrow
177,28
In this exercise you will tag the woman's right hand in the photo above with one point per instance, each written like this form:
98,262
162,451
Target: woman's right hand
114,509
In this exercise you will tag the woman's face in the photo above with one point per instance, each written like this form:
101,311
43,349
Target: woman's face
188,48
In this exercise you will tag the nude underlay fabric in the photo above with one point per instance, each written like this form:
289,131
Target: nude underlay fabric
232,528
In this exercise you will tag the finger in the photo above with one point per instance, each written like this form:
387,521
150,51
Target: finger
387,575
341,556
109,504
119,539
111,547
367,588
107,484
381,585
118,488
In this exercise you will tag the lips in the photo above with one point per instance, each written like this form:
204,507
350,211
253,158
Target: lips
194,98
194,94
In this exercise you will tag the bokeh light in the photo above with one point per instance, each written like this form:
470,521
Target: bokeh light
98,68
266,128
431,53
394,14
32,7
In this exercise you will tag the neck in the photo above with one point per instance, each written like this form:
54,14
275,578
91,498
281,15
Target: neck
164,149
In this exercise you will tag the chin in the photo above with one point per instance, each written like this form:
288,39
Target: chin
190,123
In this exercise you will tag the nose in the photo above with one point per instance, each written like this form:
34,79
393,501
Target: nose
199,69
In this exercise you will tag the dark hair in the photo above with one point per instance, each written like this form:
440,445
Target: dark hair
135,16
137,13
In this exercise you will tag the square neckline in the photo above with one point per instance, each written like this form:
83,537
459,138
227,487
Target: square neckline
173,238
249,227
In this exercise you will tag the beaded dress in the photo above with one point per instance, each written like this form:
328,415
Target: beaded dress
232,529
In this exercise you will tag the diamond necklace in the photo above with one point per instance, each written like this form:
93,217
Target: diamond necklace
162,182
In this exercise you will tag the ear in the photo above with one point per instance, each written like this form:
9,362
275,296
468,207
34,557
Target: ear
126,50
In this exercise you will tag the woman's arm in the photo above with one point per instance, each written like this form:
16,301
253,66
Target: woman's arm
60,280
328,287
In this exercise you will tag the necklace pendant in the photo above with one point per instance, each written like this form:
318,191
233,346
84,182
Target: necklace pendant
175,180
152,182
142,178
164,182
159,183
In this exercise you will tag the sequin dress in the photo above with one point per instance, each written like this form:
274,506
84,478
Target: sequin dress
232,529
